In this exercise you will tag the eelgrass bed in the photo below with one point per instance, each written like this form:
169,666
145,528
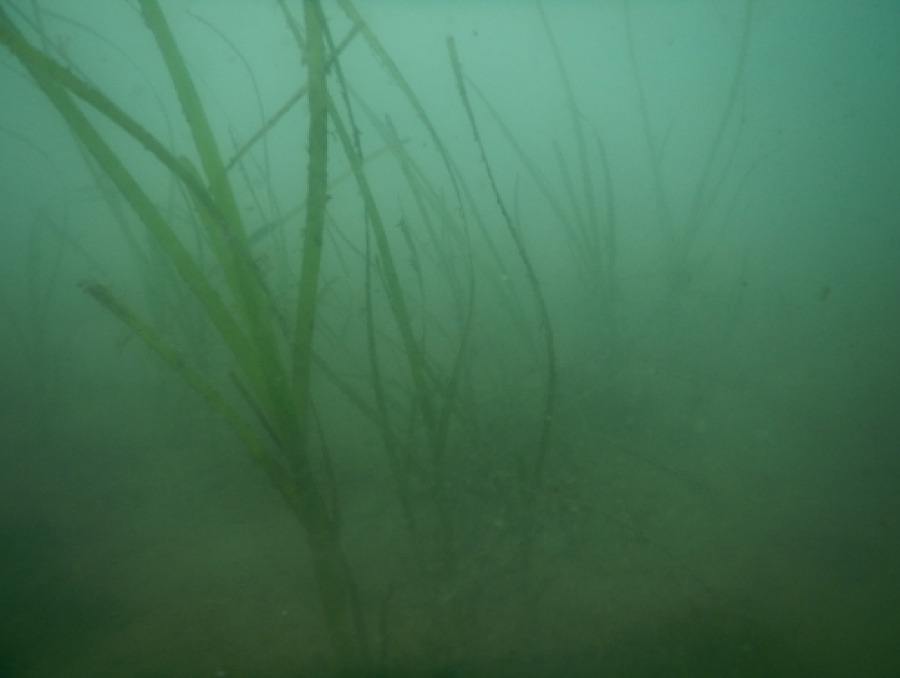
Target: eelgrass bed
373,320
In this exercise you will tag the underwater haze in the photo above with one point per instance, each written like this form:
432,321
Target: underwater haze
458,338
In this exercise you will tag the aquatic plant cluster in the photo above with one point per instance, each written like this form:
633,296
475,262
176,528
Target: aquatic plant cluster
340,319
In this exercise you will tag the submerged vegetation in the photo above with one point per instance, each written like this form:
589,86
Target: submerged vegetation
409,311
